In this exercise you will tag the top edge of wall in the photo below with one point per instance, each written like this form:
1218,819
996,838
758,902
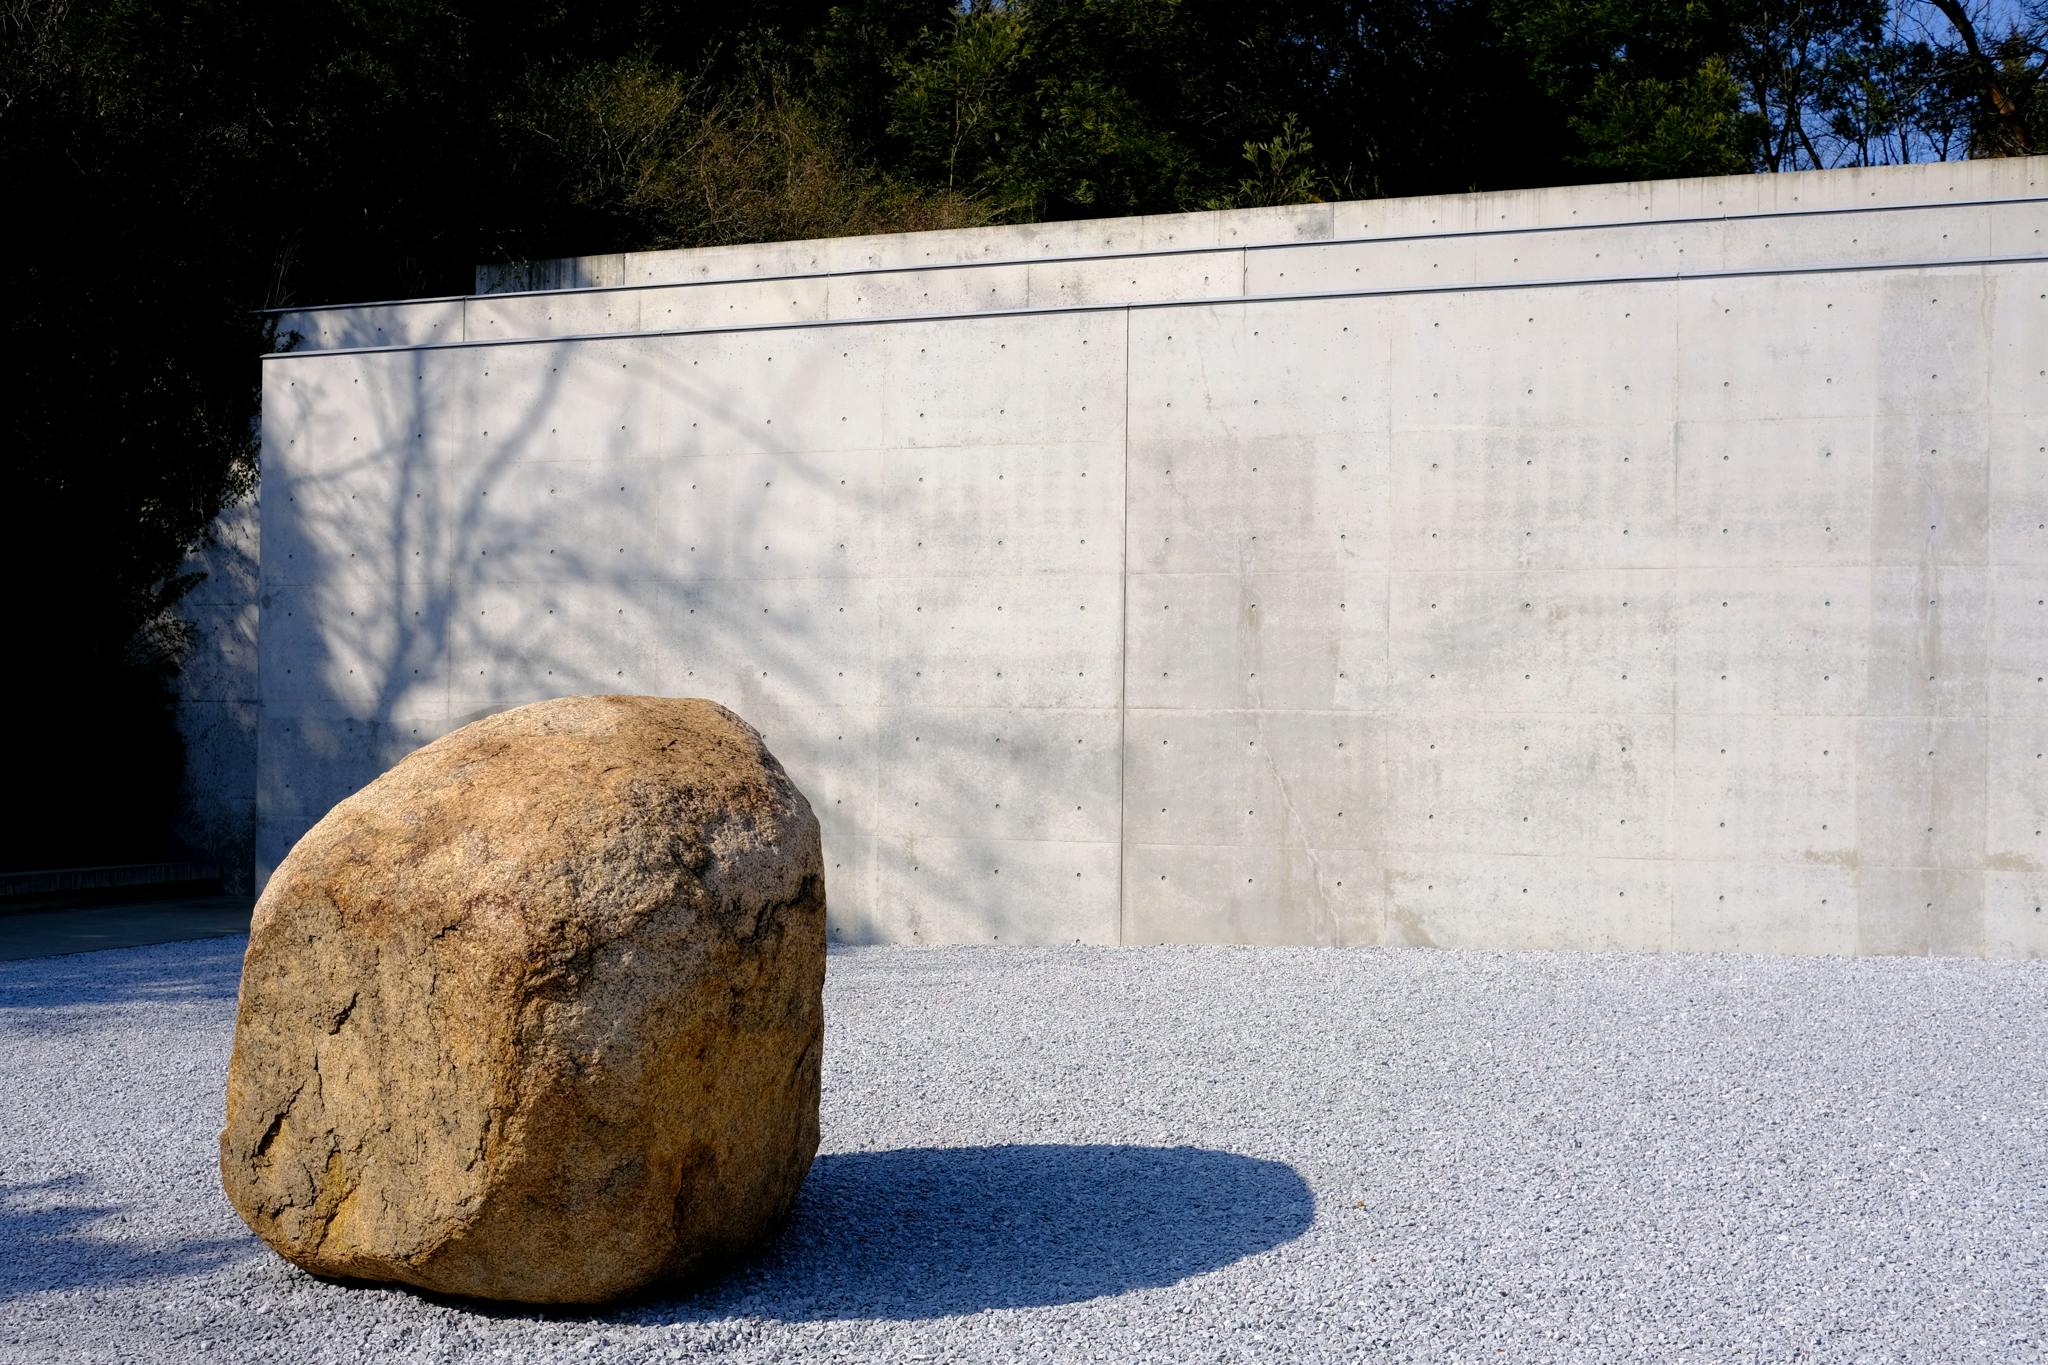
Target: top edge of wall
1553,206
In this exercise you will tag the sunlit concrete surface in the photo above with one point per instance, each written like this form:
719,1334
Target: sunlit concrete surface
1679,587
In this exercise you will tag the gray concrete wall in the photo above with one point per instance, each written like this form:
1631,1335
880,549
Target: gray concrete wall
1680,607
1963,211
1437,215
218,701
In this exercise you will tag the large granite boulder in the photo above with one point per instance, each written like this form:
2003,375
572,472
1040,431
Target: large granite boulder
537,1014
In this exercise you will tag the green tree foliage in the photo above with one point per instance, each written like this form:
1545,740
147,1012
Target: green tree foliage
1646,86
642,151
174,167
1282,170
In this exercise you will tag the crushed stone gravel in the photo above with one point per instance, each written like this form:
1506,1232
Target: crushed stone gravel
1173,1154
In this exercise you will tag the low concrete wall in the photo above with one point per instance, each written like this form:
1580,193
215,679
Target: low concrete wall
1670,608
1569,206
218,701
1667,228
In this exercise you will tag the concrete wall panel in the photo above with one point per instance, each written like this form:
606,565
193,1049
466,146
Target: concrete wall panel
2018,492
966,289
349,648
1026,381
1678,613
1921,911
1572,356
1023,773
1531,641
1305,502
426,323
1486,496
734,304
1921,792
1575,205
1776,788
1279,369
1929,631
517,642
1739,907
2018,305
1408,263
1530,785
2016,788
832,755
561,520
948,511
780,644
2015,914
385,518
1496,902
1263,641
1181,893
2019,642
1661,227
1772,491
1854,238
1135,279
939,890
1035,640
1772,641
1932,356
553,315
216,803
2018,228
1648,249
1783,346
597,400
1253,779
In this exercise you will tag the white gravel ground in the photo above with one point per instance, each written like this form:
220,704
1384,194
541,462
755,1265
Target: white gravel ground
1174,1154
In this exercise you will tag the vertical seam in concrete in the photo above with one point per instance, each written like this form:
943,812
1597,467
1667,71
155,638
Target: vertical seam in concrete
1987,314
1384,709
1672,864
1873,576
1123,643
255,854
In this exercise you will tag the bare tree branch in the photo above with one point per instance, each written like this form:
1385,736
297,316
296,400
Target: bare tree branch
2004,113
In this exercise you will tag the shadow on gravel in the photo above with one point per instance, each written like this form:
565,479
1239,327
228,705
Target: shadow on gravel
56,996
51,1244
935,1231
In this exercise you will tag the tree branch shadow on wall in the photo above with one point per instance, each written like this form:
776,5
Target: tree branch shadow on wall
397,656
474,585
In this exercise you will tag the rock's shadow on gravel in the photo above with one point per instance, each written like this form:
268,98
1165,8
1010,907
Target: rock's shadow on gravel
931,1232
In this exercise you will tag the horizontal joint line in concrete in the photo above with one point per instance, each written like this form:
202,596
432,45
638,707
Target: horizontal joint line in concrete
1160,252
1411,571
898,836
1409,850
1384,712
1228,300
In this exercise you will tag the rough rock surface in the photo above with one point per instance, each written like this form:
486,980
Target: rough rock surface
537,1015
